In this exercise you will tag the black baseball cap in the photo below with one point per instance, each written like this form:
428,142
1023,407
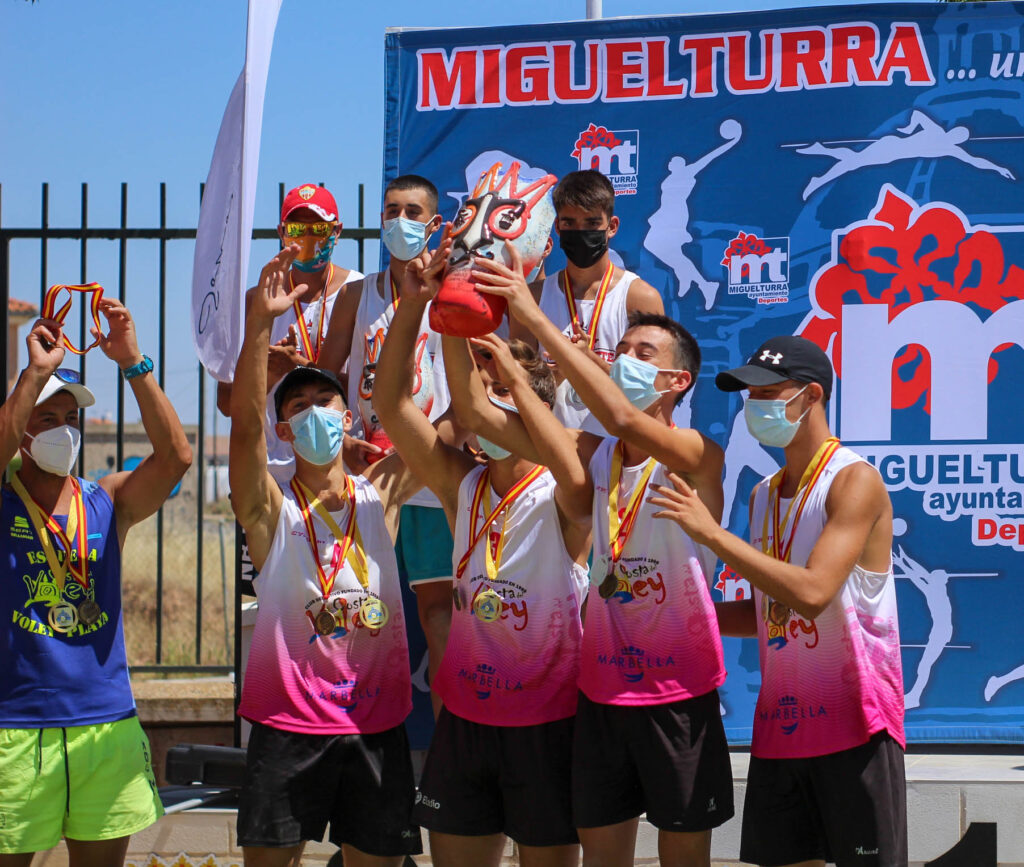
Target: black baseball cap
779,359
300,376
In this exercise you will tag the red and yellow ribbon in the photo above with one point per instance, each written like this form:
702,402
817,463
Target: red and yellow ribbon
619,531
311,349
45,525
483,486
394,290
349,543
50,310
570,300
777,549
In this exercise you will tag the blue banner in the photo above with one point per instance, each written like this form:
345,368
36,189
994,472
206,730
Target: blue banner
849,173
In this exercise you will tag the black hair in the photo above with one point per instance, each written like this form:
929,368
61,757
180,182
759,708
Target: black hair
685,349
414,182
587,189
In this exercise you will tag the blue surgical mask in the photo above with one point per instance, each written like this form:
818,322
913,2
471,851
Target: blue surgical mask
767,422
492,450
318,434
404,238
505,406
636,379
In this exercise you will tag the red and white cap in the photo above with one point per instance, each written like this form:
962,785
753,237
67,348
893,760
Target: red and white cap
317,199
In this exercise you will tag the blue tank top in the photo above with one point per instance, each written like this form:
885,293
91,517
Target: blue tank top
49,678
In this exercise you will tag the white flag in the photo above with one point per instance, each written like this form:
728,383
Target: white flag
226,216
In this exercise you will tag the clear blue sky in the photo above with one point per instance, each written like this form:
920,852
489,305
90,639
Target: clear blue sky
123,90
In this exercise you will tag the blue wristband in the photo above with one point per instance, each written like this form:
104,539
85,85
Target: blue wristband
144,366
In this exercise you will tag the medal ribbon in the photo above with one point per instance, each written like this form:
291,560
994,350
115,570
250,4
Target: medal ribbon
394,289
309,349
482,487
602,291
50,310
350,542
620,531
46,524
807,482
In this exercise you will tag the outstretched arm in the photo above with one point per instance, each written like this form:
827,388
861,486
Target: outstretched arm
683,450
139,493
255,497
856,503
438,466
45,354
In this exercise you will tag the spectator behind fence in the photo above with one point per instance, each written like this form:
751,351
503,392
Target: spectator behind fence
74,761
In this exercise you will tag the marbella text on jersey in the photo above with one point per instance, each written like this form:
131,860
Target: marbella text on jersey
642,68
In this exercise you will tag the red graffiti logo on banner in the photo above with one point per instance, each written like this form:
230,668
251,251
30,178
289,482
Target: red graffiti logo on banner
594,137
745,244
902,255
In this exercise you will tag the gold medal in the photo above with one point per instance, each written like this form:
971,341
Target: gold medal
373,613
89,612
325,623
63,617
608,586
487,606
778,613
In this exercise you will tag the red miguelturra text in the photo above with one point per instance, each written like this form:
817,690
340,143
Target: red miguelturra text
638,68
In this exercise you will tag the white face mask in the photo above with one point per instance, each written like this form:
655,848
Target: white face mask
56,450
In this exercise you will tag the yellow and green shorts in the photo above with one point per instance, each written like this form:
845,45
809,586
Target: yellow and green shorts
92,782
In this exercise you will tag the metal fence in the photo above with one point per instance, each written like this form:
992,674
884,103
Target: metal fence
177,529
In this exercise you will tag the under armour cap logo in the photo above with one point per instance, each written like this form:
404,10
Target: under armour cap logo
776,358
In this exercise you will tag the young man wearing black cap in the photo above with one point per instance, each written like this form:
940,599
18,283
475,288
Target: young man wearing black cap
310,219
826,779
74,761
327,684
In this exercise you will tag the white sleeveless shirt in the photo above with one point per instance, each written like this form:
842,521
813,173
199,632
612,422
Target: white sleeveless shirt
830,683
356,680
520,669
656,639
430,390
612,325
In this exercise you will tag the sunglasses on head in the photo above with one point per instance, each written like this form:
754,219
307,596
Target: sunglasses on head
293,229
66,374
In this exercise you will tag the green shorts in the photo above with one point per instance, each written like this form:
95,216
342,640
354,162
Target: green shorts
91,782
424,546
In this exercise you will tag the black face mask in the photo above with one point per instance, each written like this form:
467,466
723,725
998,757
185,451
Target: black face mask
583,247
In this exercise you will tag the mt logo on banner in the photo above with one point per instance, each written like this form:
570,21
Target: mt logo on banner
613,153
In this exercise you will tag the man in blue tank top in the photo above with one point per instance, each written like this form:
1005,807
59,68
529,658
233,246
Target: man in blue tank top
74,761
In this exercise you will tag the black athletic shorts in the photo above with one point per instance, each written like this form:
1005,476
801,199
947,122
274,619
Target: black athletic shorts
849,808
296,783
481,779
670,761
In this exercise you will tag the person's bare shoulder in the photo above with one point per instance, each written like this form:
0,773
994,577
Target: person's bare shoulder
642,296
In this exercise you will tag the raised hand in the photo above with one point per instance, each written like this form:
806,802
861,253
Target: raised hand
426,272
508,281
582,342
45,346
273,294
505,367
119,344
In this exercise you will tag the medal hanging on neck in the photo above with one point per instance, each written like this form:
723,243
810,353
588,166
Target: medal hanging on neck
348,547
310,347
395,297
774,545
51,311
619,530
63,615
487,605
570,300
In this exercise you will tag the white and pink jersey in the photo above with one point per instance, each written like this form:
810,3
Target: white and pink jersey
655,640
520,669
830,683
356,680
